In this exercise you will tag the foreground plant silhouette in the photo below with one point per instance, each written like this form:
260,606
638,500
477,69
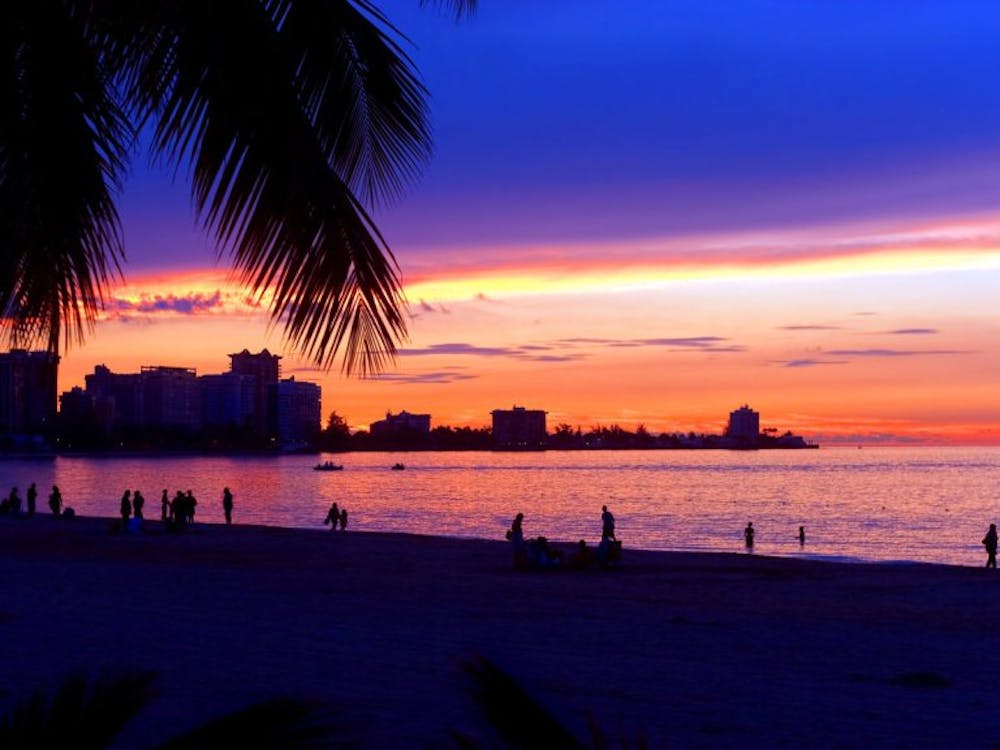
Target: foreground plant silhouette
293,116
88,713
519,721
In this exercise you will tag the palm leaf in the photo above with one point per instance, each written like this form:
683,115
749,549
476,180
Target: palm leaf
517,718
63,148
459,7
275,724
83,713
281,108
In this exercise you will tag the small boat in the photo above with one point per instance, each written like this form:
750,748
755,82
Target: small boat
328,466
398,467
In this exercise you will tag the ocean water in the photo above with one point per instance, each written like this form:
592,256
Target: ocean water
907,504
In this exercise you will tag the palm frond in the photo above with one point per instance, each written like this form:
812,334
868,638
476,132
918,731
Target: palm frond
459,7
278,127
83,713
517,718
63,147
275,724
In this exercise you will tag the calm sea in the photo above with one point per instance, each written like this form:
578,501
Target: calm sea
919,504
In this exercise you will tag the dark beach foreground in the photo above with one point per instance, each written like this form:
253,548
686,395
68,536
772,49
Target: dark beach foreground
688,650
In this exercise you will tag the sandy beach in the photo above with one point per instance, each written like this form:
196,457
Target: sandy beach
691,650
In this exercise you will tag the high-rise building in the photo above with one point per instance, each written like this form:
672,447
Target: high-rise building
744,426
116,397
519,429
297,407
265,370
28,393
401,424
227,400
170,397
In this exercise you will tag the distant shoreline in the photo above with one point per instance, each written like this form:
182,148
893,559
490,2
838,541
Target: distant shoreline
43,455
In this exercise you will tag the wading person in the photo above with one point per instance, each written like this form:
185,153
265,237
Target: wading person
990,542
227,504
748,534
607,523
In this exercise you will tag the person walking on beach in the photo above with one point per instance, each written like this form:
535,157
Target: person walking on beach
748,534
32,499
802,536
164,506
55,501
990,542
126,509
332,517
227,504
607,523
343,519
138,501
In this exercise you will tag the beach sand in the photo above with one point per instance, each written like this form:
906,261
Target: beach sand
691,650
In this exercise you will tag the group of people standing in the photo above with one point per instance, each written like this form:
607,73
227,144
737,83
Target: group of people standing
175,513
11,505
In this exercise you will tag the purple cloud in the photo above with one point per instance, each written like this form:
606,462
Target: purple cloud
896,352
912,331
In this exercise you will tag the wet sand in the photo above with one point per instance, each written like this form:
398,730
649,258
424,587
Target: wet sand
690,650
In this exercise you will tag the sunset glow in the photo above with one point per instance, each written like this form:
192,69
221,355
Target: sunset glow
823,245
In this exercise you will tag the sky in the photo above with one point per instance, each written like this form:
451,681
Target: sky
645,212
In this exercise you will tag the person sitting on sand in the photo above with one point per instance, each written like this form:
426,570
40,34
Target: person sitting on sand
607,523
126,509
55,501
227,504
32,499
581,557
332,517
343,519
138,502
990,542
748,534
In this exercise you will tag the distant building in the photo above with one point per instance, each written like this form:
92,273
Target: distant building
28,394
402,424
265,370
519,429
170,397
744,426
115,397
227,400
297,405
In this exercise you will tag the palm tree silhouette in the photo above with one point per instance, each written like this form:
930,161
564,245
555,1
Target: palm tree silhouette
295,117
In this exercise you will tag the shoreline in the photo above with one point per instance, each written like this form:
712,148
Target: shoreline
690,649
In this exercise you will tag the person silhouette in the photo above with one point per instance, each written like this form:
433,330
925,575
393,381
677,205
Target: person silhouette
607,523
164,506
748,534
332,517
138,501
32,498
227,504
802,536
990,542
516,533
14,502
343,520
55,501
126,509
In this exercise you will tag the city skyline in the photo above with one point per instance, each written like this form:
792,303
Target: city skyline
799,211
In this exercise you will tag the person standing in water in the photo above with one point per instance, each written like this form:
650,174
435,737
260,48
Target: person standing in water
748,534
802,536
990,542
227,504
